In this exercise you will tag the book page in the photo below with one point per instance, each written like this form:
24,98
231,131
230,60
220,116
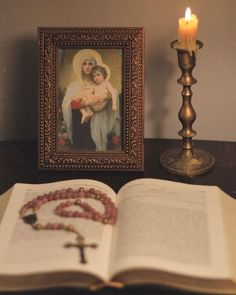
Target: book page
171,227
24,250
229,216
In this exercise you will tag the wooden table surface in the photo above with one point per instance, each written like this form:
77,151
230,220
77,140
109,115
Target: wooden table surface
18,163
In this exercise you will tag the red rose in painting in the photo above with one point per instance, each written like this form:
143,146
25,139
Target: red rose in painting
76,104
61,141
116,140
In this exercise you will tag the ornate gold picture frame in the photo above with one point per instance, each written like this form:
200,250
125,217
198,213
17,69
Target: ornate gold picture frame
91,88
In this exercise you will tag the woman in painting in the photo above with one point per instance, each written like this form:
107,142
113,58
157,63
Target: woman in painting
79,94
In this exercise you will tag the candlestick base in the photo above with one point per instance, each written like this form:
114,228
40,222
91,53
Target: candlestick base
186,162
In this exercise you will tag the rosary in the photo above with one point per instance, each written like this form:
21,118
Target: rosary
71,197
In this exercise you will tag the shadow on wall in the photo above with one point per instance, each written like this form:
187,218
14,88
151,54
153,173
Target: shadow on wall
158,73
22,91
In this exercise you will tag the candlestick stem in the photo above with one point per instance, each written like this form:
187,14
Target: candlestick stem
187,160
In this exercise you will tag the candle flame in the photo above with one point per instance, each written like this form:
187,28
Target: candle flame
188,14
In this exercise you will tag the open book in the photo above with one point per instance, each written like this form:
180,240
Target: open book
167,233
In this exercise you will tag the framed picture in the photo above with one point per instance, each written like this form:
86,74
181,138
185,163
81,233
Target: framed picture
91,98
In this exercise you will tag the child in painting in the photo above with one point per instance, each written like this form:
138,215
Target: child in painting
102,87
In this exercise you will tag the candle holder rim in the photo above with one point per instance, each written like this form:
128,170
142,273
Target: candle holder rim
175,42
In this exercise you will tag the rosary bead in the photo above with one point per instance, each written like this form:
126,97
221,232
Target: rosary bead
49,226
44,200
69,190
30,204
80,237
82,214
55,197
106,202
97,216
69,195
92,210
76,214
107,212
105,220
92,191
89,215
68,203
61,226
50,198
85,206
87,194
55,226
62,196
75,195
38,226
39,203
97,197
23,211
77,202
70,227
81,194
114,212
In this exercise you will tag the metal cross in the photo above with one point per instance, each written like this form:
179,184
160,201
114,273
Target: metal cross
81,246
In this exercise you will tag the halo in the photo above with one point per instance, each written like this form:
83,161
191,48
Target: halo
85,54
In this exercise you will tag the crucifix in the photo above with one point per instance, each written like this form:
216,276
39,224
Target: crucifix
81,246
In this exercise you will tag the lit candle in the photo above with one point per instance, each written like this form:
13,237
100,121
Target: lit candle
188,30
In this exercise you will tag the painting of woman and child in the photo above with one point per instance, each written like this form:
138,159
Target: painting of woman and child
89,98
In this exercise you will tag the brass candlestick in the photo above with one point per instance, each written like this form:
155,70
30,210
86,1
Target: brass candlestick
187,160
